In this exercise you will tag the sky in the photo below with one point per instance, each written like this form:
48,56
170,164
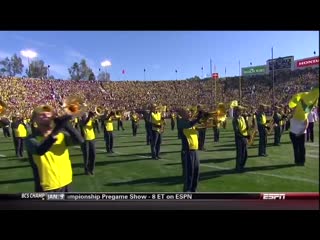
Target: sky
160,53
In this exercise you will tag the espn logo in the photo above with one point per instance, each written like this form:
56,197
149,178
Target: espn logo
273,196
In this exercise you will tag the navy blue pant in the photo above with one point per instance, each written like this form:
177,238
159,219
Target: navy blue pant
89,155
299,149
148,135
19,149
155,144
216,134
202,138
134,126
108,137
173,123
277,135
262,140
242,152
191,165
180,133
310,132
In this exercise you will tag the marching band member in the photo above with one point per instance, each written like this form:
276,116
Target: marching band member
216,130
156,122
48,150
88,146
5,123
277,126
240,127
178,126
134,122
108,130
148,126
119,120
189,152
20,131
262,128
173,120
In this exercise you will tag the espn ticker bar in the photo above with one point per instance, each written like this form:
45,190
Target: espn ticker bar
55,196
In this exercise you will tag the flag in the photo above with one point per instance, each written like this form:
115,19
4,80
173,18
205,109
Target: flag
233,104
225,71
201,68
123,71
303,102
176,71
144,70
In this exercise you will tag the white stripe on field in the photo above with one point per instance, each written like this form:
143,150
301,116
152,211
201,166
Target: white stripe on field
256,173
217,167
1,155
312,156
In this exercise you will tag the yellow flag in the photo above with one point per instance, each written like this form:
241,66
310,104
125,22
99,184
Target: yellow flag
234,103
303,103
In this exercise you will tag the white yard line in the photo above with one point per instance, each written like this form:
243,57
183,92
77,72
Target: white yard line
1,155
224,168
312,156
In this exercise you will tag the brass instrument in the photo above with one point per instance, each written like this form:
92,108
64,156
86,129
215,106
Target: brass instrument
99,110
74,106
207,121
3,107
252,136
270,125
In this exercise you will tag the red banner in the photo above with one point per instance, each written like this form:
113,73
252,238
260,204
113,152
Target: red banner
215,76
308,62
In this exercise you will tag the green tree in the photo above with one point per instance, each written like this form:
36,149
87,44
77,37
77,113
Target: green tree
37,69
80,71
74,72
7,66
16,64
11,67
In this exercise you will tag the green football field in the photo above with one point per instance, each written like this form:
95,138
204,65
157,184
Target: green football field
130,168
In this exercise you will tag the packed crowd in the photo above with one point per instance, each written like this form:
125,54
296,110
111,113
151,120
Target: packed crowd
22,95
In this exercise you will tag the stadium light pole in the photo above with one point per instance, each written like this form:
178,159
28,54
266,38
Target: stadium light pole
211,83
272,76
29,54
239,83
48,72
106,64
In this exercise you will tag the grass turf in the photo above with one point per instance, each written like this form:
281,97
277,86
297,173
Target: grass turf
130,168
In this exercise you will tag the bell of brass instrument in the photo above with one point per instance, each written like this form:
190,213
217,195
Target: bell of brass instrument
3,107
99,110
74,106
